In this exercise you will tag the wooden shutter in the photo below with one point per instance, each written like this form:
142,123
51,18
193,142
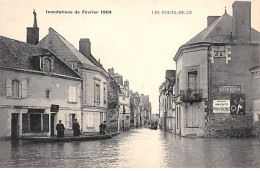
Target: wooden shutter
195,116
8,86
74,94
24,88
70,94
189,116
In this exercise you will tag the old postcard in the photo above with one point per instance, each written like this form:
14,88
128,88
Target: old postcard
129,84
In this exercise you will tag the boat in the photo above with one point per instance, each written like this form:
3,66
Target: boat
153,127
68,139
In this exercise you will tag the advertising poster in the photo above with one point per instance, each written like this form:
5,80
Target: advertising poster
237,103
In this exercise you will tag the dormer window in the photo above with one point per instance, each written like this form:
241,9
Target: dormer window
74,65
43,63
47,64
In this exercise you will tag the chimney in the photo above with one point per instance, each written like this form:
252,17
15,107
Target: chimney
111,71
211,19
120,80
85,47
241,22
126,83
33,32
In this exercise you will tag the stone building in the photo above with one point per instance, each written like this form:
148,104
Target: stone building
213,82
256,95
124,100
113,105
147,109
135,112
162,111
37,89
166,102
94,87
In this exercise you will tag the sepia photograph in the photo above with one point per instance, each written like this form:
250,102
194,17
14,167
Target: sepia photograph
129,84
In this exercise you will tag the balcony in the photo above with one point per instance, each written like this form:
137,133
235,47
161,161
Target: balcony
191,95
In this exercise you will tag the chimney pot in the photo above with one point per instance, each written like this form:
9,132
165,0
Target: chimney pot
211,19
241,21
85,46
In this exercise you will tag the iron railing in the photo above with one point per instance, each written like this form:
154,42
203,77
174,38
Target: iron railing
191,95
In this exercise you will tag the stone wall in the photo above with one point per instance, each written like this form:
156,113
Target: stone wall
113,106
234,73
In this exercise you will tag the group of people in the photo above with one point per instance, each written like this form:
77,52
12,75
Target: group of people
76,129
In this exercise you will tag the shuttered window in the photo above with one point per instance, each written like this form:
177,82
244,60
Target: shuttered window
72,94
16,88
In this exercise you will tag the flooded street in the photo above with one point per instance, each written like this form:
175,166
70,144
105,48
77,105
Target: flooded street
135,148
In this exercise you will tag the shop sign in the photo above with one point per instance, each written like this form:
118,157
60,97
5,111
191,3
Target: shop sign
230,89
221,106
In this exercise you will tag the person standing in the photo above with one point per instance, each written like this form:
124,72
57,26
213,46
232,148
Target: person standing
60,129
76,128
101,128
104,128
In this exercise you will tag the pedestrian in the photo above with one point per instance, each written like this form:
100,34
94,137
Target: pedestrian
76,128
101,128
60,129
104,127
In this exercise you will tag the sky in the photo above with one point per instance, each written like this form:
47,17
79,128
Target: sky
136,42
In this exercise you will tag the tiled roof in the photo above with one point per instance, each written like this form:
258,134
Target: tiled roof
79,55
220,32
15,54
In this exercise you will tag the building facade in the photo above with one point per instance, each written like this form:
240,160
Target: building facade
113,105
94,87
214,96
37,90
135,112
167,103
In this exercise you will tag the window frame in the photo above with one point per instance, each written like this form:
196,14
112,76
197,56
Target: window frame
193,69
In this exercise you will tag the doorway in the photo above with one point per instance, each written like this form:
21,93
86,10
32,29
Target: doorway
52,123
15,125
35,122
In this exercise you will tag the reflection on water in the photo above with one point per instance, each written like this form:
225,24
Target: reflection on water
135,148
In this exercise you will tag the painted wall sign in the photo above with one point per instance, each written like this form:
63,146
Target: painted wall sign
230,89
237,102
221,106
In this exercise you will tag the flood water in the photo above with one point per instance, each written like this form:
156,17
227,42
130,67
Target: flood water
136,148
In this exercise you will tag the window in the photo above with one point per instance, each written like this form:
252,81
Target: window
102,117
16,88
48,94
74,65
47,64
193,80
72,94
105,97
97,93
